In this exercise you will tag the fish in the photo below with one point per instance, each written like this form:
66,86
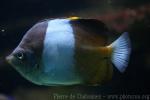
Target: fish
70,51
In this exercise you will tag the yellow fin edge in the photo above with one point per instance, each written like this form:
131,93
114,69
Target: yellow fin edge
73,18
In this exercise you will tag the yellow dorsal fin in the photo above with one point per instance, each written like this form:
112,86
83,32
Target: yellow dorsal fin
73,18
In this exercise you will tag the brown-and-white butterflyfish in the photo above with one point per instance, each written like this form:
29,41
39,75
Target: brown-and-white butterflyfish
70,51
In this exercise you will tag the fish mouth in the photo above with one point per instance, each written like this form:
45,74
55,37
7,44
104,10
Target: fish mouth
9,59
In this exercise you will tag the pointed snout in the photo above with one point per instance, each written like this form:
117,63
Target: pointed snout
9,59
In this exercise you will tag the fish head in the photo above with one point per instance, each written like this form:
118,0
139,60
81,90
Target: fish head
24,61
26,57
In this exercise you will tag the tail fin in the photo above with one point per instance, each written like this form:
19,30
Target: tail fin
121,49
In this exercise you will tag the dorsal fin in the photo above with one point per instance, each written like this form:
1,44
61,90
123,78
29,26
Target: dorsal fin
93,25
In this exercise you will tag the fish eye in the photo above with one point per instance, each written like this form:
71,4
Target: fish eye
20,55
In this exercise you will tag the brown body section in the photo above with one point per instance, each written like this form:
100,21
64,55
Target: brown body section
33,39
91,54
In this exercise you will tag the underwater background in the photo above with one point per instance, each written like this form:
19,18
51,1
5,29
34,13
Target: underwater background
17,16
